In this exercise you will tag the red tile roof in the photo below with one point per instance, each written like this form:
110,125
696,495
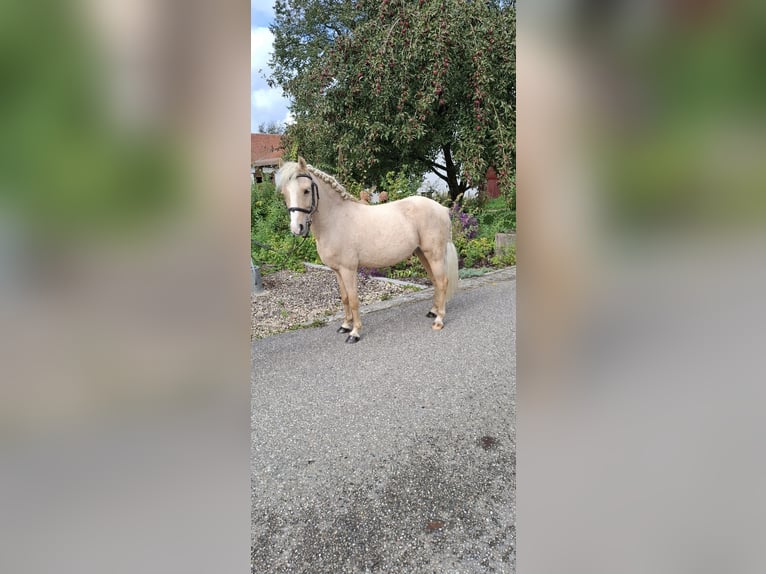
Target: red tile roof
265,149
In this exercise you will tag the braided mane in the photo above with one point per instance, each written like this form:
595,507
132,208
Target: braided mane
332,182
290,169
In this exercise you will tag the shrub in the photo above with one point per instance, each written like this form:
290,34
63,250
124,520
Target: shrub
267,210
477,251
507,258
465,228
399,185
411,267
354,188
496,216
463,224
408,268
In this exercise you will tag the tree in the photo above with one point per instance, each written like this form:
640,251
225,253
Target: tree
397,85
271,128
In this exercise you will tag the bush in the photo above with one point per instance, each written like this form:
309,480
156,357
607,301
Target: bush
507,258
404,270
399,185
464,225
477,251
267,209
496,216
472,249
408,268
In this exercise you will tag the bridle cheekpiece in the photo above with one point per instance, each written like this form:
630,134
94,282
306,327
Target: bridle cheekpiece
314,199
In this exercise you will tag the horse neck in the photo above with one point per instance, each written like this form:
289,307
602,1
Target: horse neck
330,202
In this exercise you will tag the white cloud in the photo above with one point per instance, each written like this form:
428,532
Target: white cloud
265,98
267,104
261,41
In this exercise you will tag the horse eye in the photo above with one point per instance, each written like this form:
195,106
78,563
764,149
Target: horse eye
305,192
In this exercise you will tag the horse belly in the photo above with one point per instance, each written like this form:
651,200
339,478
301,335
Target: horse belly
379,259
388,247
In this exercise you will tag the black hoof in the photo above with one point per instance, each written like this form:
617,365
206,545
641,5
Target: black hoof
430,314
343,330
351,339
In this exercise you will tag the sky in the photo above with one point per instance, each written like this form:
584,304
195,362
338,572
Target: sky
266,104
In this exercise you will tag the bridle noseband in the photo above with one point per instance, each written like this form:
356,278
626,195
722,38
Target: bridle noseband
314,199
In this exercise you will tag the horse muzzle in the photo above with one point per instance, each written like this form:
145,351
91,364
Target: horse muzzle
300,229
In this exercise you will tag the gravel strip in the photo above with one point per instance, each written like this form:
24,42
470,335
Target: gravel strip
292,298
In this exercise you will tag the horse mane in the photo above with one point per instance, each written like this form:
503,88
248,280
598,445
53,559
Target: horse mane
290,170
332,182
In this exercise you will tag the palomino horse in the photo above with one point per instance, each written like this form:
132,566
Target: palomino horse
350,234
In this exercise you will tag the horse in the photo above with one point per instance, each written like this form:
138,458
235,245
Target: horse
350,234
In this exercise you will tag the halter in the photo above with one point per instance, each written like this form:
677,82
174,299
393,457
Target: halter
314,199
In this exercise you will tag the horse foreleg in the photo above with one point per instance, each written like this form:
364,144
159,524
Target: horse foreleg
349,281
346,326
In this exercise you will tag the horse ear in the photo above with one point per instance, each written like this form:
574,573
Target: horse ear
301,163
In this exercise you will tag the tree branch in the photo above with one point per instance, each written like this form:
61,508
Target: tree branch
434,165
440,176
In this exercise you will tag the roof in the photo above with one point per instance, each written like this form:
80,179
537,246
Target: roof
265,149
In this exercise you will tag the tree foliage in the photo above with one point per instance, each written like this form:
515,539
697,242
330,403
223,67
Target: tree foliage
398,85
271,128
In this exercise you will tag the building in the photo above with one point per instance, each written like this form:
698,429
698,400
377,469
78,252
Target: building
265,156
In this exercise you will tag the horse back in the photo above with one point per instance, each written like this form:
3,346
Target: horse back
425,211
420,204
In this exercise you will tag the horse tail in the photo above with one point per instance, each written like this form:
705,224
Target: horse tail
451,264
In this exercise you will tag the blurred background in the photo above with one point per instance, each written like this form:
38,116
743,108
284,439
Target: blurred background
641,271
124,290
124,286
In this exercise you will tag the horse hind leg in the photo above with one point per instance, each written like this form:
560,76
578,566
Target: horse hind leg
439,279
427,266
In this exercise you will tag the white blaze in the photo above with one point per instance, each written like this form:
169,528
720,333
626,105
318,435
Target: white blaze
296,217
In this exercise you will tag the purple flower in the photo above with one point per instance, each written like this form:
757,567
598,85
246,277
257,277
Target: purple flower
468,224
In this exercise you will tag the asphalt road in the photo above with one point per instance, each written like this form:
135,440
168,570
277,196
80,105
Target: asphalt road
396,454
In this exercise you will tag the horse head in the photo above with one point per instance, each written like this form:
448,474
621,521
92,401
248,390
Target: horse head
301,194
